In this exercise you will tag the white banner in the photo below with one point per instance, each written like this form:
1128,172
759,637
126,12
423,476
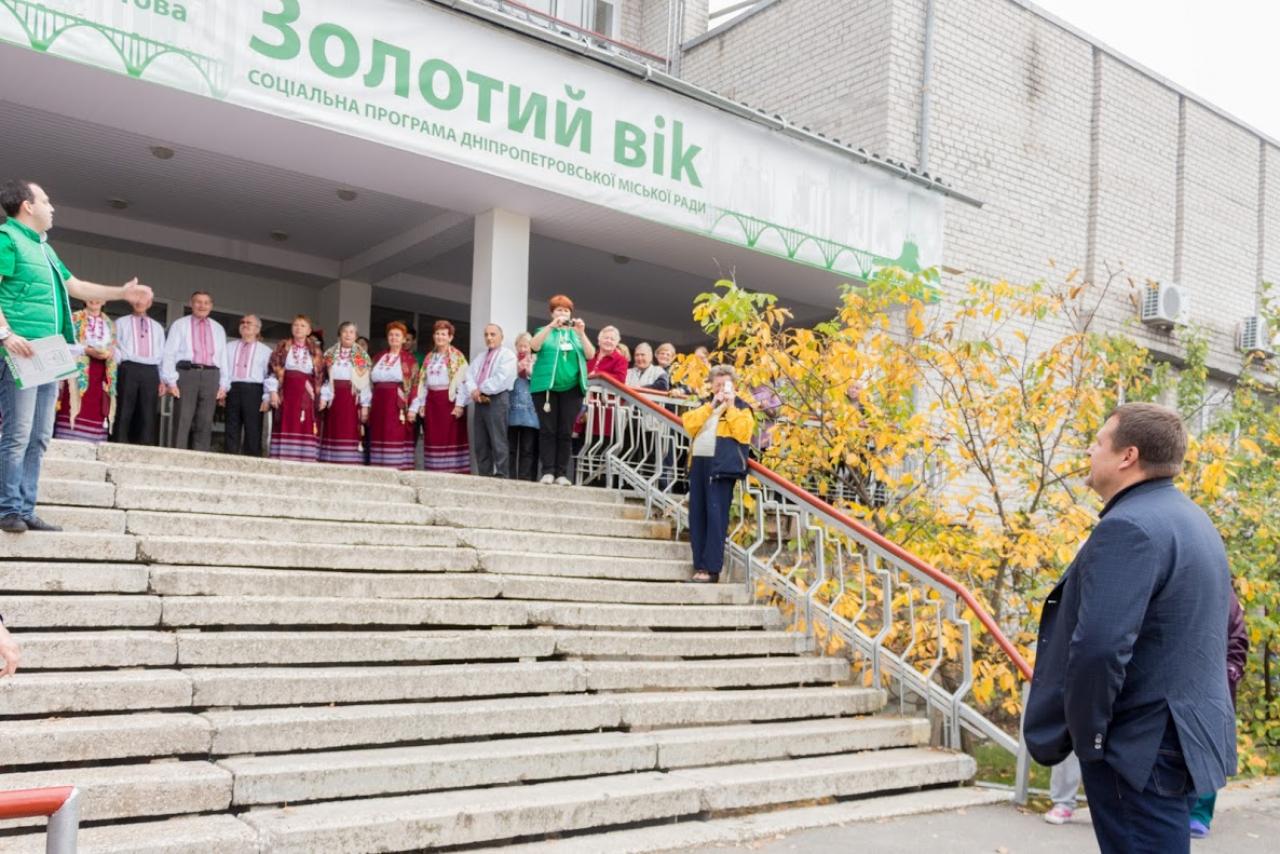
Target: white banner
425,79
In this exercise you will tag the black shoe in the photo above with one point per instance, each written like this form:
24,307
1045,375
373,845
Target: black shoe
12,524
35,523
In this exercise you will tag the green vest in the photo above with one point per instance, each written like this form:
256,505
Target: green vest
546,376
34,297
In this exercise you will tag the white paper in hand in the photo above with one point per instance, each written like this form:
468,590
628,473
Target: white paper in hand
50,361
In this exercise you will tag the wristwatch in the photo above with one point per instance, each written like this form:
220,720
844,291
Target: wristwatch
5,332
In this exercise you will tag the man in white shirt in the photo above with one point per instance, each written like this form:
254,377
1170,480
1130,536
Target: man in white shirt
194,353
487,387
139,350
246,368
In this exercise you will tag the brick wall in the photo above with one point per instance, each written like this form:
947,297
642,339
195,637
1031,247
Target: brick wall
1082,159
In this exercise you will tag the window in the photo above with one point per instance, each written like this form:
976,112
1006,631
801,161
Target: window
598,16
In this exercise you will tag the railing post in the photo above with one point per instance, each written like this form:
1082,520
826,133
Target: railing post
63,826
1022,770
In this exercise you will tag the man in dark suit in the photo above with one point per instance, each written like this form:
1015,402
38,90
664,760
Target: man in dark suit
1129,668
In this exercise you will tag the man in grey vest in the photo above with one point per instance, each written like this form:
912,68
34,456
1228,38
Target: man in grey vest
34,290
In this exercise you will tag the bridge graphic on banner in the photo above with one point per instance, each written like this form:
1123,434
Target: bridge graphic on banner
43,27
864,263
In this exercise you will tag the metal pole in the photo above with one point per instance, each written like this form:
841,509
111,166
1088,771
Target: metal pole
60,837
1022,772
926,87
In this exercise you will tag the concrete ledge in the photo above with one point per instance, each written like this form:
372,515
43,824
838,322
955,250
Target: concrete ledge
50,577
256,581
68,545
327,508
554,524
84,519
77,493
298,555
206,526
310,610
207,834
138,456
574,544
578,566
283,648
55,467
75,612
303,486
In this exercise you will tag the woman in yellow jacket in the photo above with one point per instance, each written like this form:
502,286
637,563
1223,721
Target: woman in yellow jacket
721,435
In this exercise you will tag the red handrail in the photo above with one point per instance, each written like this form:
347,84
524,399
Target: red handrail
33,803
863,531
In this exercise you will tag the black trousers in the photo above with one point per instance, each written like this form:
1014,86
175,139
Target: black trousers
137,404
244,417
523,442
555,434
489,439
709,504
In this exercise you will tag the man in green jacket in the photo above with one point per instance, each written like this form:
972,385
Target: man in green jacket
34,290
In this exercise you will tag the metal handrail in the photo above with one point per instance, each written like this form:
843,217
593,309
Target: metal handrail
900,616
60,804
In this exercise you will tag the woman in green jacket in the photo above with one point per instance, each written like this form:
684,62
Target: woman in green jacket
558,385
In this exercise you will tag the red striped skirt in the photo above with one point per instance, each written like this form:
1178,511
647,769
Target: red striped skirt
294,431
444,439
95,408
390,430
340,440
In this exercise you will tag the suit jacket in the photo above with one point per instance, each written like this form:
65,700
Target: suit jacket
1136,632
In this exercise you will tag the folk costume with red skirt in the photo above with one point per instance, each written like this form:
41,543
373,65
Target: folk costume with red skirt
444,438
297,375
345,392
390,428
87,402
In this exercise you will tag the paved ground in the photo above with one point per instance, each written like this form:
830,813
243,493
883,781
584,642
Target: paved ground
1247,821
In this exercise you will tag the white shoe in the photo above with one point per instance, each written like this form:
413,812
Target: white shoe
548,479
563,481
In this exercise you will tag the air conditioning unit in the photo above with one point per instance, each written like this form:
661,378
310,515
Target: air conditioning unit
1255,336
1164,306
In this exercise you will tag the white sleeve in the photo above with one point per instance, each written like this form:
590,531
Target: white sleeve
169,362
502,376
326,392
224,365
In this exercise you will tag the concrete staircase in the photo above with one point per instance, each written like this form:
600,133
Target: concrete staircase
237,655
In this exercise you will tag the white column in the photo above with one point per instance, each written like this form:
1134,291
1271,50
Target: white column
499,276
345,299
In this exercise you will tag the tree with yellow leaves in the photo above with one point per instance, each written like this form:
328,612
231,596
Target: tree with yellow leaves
958,429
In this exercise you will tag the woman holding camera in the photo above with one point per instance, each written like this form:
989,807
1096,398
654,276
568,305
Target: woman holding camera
720,433
558,385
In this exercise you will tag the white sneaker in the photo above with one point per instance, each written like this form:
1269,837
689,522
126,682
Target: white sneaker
1060,814
563,481
548,479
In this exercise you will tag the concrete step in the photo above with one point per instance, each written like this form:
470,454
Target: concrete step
48,741
282,648
81,612
20,576
134,791
534,518
326,727
178,500
220,649
172,458
205,834
65,650
573,544
298,778
70,468
93,691
297,488
62,449
282,686
75,493
253,581
196,611
468,498
744,830
520,490
192,551
68,545
471,816
84,519
205,526
586,566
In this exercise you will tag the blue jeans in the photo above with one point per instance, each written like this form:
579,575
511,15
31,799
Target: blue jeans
24,437
1152,821
709,504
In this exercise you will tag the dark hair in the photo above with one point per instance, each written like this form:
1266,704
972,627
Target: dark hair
13,194
443,324
1156,431
411,331
195,294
